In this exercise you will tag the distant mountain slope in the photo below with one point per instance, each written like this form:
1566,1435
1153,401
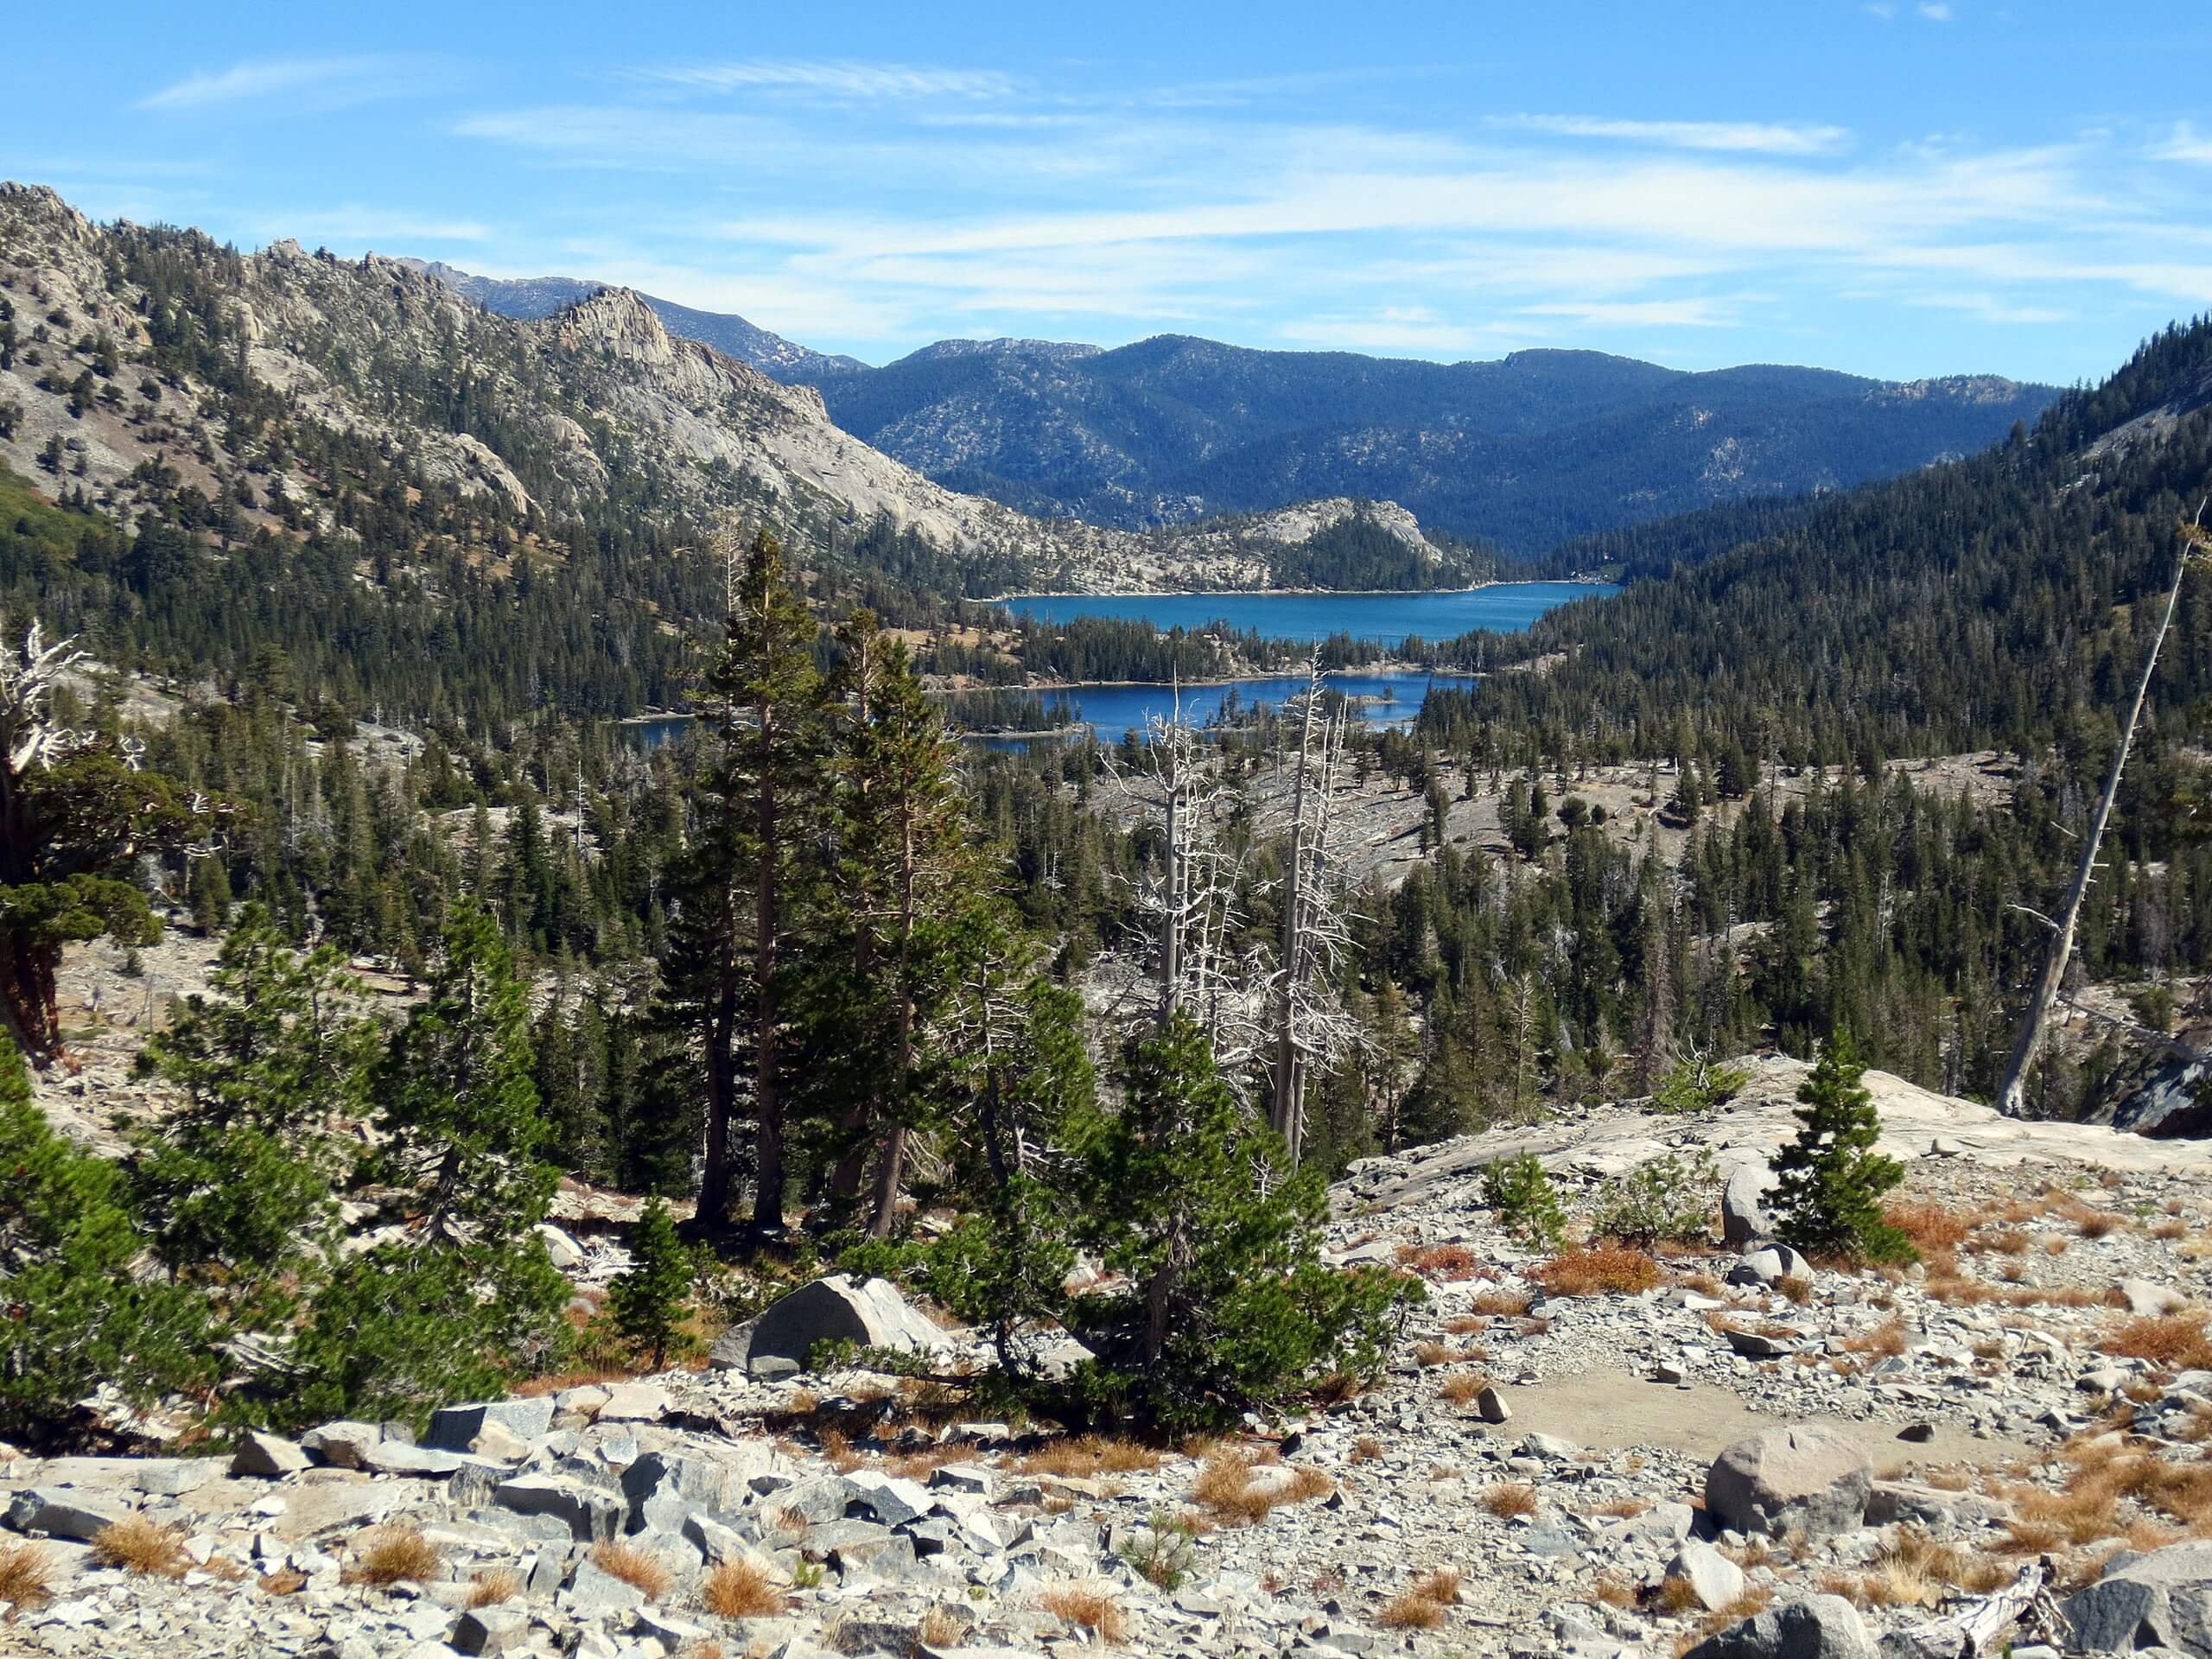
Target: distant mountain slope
1528,451
531,297
1995,604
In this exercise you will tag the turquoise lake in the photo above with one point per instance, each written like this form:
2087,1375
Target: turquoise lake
1385,619
1387,699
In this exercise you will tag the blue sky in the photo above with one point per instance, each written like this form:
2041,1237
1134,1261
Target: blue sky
1909,188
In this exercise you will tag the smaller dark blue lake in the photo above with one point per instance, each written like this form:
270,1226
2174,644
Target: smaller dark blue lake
1391,699
1384,619
1112,710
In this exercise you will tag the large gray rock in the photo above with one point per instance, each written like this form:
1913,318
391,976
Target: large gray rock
268,1454
593,1514
1770,1267
664,1488
868,1312
65,1512
454,1428
345,1445
2150,1300
491,1630
1819,1627
1743,1207
1796,1476
2163,1600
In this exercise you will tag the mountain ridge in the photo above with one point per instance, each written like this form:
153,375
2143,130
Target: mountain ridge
1540,447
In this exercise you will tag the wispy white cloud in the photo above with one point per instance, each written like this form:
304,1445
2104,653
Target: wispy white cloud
836,78
1417,329
1936,11
1697,313
289,85
1774,138
357,227
2182,142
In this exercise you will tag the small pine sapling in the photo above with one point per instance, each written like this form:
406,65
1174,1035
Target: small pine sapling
648,1302
1830,1180
1527,1206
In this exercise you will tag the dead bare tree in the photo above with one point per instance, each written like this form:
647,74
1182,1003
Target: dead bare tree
1312,1027
1202,964
2011,1096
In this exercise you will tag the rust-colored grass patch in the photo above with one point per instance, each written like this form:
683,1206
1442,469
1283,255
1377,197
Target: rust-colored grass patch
1510,1498
1932,1227
2177,1340
490,1588
1600,1270
1448,1262
1503,1304
1094,1609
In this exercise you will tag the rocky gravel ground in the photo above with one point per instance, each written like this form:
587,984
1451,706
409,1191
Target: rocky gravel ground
1749,1452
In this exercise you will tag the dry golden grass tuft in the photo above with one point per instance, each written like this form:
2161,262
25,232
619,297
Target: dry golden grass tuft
1423,1603
2170,1229
25,1578
1600,1270
285,1581
1510,1498
2097,1223
1503,1304
742,1589
490,1588
1885,1338
1232,1492
941,1627
1615,1592
1407,1611
1750,1604
1461,1388
1466,1325
1797,1289
1094,1609
1366,1449
1089,1455
634,1568
391,1553
139,1545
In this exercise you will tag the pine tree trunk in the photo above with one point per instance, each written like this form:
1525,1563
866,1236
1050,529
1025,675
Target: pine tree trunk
2012,1098
768,1108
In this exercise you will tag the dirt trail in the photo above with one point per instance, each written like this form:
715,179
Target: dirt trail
1607,1409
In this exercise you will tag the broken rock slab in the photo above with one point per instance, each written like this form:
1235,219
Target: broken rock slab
2163,1600
868,1312
454,1428
1819,1627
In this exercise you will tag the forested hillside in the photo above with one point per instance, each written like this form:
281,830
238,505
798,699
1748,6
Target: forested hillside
363,571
